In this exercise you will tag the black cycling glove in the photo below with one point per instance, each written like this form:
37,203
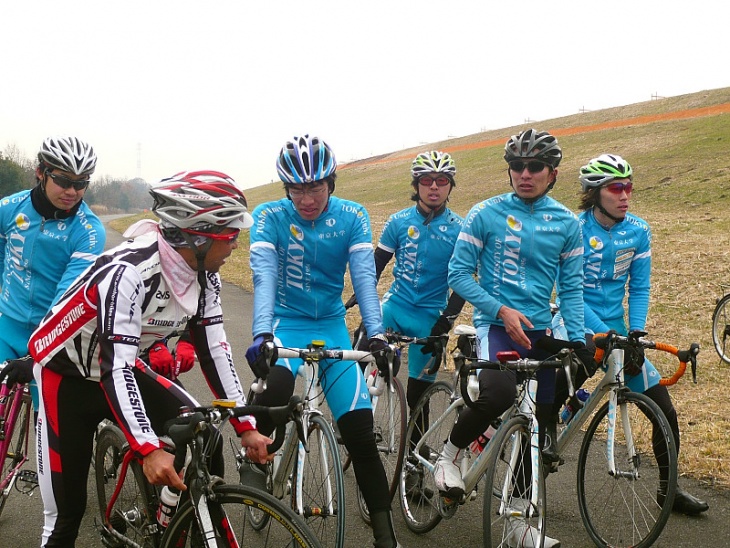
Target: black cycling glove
17,371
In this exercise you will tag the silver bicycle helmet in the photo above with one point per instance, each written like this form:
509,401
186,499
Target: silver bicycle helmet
602,170
434,161
201,201
533,144
305,160
69,154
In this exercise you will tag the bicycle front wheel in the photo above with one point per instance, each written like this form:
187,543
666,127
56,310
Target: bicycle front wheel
230,510
721,328
389,425
418,494
628,507
15,439
322,488
133,515
512,516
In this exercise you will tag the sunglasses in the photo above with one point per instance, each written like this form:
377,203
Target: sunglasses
228,238
618,188
440,181
533,166
66,183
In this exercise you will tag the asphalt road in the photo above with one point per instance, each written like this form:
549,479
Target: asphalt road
21,520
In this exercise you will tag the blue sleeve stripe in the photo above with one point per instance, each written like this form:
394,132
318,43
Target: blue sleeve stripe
365,246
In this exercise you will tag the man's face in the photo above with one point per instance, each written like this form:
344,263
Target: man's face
434,189
530,178
615,197
64,198
310,200
222,247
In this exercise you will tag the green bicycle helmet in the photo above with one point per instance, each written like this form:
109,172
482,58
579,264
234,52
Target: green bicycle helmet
602,170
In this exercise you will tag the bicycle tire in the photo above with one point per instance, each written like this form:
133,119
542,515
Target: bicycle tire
323,485
721,328
620,510
229,508
418,494
17,435
390,426
134,515
509,474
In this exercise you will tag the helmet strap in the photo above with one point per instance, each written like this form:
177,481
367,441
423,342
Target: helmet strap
602,209
428,213
200,251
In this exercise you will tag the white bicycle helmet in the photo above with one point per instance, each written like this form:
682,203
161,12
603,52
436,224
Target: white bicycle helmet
305,160
534,145
434,161
68,154
201,202
602,170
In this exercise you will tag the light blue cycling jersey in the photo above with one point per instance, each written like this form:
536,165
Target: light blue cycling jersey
299,265
520,251
611,258
42,257
422,255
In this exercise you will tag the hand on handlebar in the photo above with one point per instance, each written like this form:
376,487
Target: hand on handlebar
441,328
261,355
380,348
17,371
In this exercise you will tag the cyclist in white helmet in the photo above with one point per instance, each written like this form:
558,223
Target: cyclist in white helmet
617,262
48,236
86,349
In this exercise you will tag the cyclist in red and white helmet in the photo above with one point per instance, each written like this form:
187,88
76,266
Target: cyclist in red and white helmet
164,279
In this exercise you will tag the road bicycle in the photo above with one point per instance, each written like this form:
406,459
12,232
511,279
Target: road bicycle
310,471
627,464
16,424
209,513
519,497
721,325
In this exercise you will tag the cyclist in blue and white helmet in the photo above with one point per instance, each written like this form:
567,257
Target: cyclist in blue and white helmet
301,249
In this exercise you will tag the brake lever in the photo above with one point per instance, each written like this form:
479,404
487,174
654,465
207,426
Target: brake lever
694,349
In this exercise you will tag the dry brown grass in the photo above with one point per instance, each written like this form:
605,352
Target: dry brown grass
682,188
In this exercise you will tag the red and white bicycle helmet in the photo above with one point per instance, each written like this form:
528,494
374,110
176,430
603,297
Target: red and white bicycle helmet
69,154
201,201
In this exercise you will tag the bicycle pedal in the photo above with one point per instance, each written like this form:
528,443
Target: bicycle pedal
27,481
447,507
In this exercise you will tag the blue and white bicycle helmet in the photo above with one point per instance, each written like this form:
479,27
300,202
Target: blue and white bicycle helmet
305,160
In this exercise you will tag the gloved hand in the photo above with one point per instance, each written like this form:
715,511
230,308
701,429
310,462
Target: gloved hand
633,360
184,357
17,371
161,361
256,357
587,358
441,327
379,348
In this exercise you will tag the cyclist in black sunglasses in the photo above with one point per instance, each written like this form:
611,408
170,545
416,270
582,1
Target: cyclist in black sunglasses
48,236
523,245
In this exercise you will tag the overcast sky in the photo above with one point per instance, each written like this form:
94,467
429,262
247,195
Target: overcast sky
160,86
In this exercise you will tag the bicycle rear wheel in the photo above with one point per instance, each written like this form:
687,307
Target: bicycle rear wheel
230,510
389,421
15,439
632,506
134,513
721,328
418,494
510,518
322,485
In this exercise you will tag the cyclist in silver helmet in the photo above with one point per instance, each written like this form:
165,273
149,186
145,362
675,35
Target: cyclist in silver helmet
524,245
613,267
48,236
